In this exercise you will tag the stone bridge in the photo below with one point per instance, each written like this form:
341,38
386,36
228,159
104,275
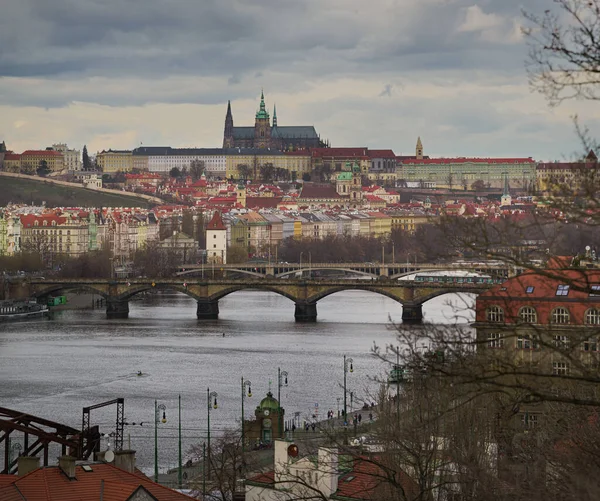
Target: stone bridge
368,270
304,293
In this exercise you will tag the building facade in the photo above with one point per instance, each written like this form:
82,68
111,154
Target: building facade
216,240
461,173
32,159
111,161
72,158
267,134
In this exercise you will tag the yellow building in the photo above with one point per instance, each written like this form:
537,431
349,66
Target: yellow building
115,160
12,162
140,162
409,221
31,160
253,159
380,225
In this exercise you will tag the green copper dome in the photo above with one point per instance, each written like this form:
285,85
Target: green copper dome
345,176
262,112
269,402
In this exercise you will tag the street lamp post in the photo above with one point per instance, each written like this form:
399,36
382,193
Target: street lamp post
180,468
348,367
157,408
338,406
301,272
210,396
249,393
309,265
282,380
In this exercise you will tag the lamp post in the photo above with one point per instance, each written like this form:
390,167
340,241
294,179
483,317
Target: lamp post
249,393
338,406
180,468
347,368
157,408
282,380
351,402
12,448
210,396
301,273
309,265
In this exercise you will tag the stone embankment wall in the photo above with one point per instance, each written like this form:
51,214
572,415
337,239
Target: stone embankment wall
48,180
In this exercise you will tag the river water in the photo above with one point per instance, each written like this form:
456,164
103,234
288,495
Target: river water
53,368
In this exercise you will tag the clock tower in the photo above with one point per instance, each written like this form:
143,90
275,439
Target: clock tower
266,427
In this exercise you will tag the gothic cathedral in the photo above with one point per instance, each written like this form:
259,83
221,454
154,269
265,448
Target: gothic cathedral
265,134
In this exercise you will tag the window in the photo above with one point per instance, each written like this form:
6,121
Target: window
590,344
562,290
596,291
528,342
529,420
560,368
561,342
215,246
528,315
592,316
495,340
560,316
214,236
495,314
530,289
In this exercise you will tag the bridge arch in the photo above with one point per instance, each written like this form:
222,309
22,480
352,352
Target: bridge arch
236,288
341,268
349,287
137,289
56,288
208,270
442,291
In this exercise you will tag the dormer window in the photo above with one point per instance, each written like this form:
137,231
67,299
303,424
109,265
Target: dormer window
562,290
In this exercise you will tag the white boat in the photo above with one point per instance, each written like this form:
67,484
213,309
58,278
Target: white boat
23,309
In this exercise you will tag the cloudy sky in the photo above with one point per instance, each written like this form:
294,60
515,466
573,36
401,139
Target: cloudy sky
117,73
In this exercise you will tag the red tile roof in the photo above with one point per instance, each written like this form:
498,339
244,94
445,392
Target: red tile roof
42,153
216,223
51,484
381,154
262,202
319,191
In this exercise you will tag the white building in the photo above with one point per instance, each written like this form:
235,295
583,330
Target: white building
72,158
216,240
163,159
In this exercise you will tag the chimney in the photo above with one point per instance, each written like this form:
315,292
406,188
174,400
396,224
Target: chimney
329,470
67,465
125,460
26,464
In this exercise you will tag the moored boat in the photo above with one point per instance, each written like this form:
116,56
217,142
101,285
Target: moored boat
23,309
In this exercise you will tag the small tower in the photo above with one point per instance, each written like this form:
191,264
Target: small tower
506,198
262,125
216,240
240,193
228,133
419,149
356,186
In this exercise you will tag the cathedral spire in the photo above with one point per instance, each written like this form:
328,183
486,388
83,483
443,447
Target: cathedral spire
262,112
228,133
274,115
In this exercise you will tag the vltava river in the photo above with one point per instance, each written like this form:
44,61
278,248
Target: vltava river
53,368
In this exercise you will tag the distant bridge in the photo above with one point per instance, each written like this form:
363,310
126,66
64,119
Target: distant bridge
371,270
304,293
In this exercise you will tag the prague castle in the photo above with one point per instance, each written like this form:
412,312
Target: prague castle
265,134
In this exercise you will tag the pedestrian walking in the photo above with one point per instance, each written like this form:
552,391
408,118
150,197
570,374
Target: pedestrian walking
359,418
371,416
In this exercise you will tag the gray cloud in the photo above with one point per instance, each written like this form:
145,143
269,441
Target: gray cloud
312,53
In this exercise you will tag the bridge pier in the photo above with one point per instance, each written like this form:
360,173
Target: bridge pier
412,314
306,312
117,308
208,310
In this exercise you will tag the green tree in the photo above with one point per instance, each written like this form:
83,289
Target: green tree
175,173
197,168
87,163
243,171
237,254
43,169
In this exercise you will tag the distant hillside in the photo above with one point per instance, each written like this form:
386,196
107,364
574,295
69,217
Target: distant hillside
28,191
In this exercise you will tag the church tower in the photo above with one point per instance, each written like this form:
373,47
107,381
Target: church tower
262,126
419,149
228,134
506,198
274,116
